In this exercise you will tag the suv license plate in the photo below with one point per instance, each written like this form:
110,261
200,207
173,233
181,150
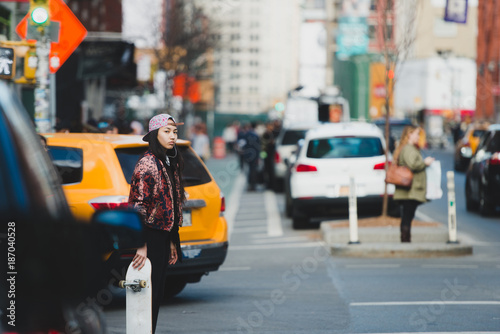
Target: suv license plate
344,191
186,218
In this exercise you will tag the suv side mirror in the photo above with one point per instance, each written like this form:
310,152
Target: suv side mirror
122,226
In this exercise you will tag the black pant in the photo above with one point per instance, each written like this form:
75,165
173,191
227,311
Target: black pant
269,171
158,243
408,208
252,174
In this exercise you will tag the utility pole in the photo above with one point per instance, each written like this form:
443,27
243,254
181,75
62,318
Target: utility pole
39,17
43,119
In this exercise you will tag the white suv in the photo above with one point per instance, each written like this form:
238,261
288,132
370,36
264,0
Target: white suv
331,153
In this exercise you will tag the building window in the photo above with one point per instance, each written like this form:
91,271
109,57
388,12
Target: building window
444,29
254,24
255,10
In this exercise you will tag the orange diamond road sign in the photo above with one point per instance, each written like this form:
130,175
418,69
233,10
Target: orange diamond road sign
71,33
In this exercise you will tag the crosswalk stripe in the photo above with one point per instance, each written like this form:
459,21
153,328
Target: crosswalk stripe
274,228
249,229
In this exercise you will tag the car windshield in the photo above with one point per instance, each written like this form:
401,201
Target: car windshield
291,137
344,147
69,163
494,144
194,172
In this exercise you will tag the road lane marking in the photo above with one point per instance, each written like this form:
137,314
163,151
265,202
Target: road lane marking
274,228
233,203
277,246
362,266
250,222
249,229
434,302
234,268
422,216
277,239
451,266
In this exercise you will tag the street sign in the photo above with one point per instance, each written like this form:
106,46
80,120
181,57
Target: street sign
71,33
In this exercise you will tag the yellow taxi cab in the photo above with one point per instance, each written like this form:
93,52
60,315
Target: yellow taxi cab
96,170
466,146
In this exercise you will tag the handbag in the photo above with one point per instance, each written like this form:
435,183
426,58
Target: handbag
399,175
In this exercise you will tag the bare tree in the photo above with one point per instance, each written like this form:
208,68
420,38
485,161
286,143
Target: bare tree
396,49
187,38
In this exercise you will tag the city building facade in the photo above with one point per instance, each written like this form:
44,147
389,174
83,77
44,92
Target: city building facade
256,60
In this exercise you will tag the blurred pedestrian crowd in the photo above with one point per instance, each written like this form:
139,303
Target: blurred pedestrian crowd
255,144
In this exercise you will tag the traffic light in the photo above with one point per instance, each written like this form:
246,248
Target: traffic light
39,13
30,64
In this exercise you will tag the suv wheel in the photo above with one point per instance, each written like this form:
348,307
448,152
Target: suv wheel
299,219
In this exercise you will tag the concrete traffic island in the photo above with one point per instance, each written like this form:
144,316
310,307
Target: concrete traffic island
379,237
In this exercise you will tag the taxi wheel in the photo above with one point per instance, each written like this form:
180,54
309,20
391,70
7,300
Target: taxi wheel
173,287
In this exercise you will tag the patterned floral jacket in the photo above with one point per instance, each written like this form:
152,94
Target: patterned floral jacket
151,193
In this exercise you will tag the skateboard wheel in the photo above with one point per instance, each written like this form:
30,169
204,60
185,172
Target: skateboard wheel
121,284
142,284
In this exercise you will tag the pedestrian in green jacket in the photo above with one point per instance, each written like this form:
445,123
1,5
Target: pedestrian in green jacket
408,154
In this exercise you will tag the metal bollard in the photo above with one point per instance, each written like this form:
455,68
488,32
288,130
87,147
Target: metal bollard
452,208
353,213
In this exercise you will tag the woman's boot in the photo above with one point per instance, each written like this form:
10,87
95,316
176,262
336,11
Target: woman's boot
405,234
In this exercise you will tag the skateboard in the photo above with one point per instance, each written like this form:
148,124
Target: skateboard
138,299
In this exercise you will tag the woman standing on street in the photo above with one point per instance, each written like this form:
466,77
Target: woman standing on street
157,193
408,154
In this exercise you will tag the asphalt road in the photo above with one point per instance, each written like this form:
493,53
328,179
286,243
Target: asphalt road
279,280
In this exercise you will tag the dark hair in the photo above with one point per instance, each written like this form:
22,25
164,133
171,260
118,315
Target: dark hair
175,157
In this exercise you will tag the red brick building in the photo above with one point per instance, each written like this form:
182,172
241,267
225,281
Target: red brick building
488,60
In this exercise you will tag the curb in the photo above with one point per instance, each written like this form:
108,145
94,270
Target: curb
394,250
384,242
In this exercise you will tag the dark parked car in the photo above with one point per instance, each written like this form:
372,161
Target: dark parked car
482,184
51,264
467,145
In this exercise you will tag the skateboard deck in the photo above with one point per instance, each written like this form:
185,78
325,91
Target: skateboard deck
138,299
